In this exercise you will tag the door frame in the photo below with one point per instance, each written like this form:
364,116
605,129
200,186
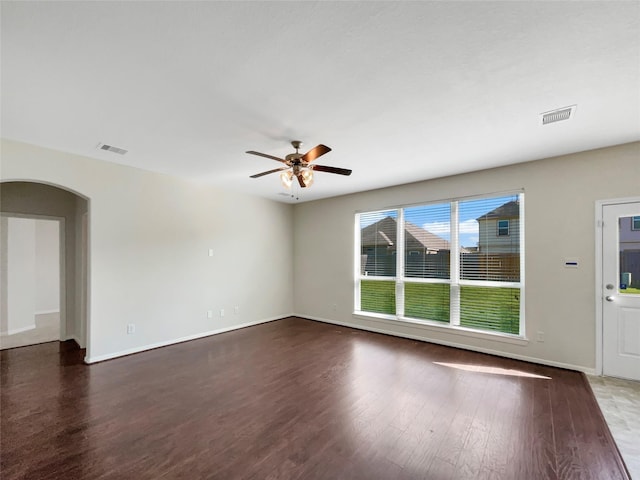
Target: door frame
62,252
598,285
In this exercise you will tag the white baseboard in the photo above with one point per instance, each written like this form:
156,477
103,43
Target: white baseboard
130,351
541,361
46,312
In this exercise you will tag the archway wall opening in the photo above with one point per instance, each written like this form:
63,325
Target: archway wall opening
33,199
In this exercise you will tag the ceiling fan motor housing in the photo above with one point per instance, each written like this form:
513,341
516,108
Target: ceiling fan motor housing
293,158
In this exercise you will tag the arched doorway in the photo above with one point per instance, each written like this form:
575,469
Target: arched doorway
27,199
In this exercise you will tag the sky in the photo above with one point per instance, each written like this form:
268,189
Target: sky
436,217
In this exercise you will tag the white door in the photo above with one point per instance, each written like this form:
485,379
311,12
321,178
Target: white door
621,290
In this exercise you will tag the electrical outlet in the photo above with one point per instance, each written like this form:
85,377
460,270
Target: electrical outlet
209,313
131,328
541,336
236,310
222,312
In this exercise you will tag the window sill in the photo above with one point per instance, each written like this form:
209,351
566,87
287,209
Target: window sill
392,320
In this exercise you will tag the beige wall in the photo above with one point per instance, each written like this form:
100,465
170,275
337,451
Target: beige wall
149,237
560,195
19,269
47,266
30,270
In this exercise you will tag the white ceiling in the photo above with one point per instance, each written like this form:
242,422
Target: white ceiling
401,91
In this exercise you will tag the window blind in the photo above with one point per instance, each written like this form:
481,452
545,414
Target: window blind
495,256
378,245
406,268
427,248
378,249
427,231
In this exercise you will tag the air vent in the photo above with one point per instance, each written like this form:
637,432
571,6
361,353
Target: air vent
558,115
111,148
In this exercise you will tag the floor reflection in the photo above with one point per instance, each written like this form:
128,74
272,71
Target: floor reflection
53,418
491,370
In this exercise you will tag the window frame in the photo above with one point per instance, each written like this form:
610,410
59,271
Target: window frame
499,228
455,286
633,223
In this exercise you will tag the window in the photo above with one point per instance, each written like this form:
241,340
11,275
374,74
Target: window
635,223
378,260
503,228
443,264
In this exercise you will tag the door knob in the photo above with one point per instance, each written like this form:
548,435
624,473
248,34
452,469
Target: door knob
609,298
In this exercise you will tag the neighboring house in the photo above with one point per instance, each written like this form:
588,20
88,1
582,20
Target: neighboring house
498,254
629,233
427,253
630,251
499,229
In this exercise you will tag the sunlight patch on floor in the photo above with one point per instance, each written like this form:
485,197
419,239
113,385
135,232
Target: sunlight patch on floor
492,370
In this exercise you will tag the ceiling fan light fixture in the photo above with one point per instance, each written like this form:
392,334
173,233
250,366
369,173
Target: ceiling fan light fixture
298,167
286,178
307,177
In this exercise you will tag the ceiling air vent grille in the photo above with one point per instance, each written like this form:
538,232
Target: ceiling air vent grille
558,115
111,148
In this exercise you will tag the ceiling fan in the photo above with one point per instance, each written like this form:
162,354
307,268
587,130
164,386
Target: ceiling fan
299,166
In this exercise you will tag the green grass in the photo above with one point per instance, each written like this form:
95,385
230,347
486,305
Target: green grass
634,291
378,296
428,301
484,308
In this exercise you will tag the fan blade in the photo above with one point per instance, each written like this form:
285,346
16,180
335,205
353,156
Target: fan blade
267,156
268,172
314,153
324,168
301,181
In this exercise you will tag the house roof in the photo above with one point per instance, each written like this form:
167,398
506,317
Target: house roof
383,232
508,210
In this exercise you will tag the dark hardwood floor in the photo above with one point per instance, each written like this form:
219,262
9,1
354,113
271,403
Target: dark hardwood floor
297,399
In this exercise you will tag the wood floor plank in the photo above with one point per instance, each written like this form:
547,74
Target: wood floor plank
542,443
470,463
297,399
569,459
